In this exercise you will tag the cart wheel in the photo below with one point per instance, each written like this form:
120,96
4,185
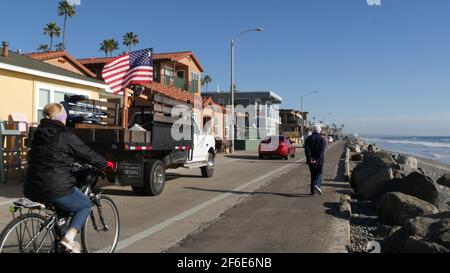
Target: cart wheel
154,178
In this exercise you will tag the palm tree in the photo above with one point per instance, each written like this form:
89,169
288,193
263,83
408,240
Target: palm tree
59,46
205,81
130,39
67,10
52,30
43,48
108,46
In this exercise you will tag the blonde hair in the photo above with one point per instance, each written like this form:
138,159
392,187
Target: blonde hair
51,110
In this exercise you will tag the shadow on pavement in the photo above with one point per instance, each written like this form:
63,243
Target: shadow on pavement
171,176
256,159
334,185
249,193
12,189
333,210
118,192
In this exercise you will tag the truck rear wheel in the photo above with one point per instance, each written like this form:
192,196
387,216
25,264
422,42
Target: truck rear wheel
154,179
208,170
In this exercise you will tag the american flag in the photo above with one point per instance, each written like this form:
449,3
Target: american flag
135,68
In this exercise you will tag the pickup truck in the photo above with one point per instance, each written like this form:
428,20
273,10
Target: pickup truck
143,156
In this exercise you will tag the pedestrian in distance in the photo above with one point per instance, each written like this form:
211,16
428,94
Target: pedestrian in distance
315,147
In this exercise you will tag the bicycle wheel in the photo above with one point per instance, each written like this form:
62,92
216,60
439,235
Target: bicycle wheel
100,233
28,234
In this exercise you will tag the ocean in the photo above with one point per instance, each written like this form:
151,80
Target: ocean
434,148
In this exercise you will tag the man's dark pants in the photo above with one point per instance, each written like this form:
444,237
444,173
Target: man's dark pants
316,176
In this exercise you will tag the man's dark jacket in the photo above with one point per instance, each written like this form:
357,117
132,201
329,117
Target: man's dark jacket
53,152
315,146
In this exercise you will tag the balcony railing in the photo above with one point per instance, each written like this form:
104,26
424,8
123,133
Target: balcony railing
177,82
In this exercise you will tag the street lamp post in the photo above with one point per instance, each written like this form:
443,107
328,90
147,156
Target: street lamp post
303,121
232,87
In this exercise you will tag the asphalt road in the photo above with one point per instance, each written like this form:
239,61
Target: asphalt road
189,202
280,217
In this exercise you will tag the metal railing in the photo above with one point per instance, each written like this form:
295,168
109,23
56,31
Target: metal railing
13,153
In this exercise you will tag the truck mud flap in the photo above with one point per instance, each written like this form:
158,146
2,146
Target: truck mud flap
129,174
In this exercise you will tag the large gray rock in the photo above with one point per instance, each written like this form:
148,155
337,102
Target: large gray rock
420,226
409,161
396,240
440,233
418,245
422,187
355,148
395,208
370,178
444,180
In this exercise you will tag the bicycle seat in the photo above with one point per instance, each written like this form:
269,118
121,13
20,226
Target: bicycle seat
27,203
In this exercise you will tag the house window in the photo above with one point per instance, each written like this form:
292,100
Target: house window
47,94
44,99
180,74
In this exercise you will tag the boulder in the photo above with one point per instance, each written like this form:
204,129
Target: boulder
396,240
355,148
444,180
409,161
422,187
395,156
401,171
420,226
370,177
356,157
440,233
395,208
418,245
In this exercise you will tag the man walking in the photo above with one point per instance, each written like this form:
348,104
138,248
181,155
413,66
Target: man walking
315,146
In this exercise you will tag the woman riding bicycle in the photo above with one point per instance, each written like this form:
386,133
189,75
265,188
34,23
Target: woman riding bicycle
53,152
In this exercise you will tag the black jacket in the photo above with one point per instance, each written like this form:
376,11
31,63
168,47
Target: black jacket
315,146
54,150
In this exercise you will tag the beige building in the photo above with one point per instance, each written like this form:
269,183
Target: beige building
28,83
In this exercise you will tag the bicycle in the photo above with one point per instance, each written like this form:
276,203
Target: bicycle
37,228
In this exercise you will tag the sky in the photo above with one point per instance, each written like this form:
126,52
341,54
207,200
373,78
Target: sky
381,70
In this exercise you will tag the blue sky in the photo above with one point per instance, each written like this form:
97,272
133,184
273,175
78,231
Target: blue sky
379,69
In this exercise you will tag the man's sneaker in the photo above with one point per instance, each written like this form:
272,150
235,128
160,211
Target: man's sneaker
71,247
318,190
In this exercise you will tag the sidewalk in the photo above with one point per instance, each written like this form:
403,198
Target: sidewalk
282,217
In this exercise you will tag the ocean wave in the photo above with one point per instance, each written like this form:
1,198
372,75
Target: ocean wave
410,142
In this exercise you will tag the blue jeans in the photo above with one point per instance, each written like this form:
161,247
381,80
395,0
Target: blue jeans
316,176
76,205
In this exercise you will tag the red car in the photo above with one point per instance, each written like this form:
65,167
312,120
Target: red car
276,146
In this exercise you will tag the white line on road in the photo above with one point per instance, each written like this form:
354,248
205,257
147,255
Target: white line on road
141,235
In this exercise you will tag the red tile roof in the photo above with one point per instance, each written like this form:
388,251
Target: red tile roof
170,56
43,56
94,60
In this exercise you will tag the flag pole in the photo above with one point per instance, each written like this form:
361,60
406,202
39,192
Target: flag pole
125,109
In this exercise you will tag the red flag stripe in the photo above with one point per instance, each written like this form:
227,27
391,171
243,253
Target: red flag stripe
118,60
115,69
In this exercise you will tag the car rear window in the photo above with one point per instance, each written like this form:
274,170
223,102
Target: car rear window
269,139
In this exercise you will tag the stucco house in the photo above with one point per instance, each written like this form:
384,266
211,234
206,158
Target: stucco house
29,82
